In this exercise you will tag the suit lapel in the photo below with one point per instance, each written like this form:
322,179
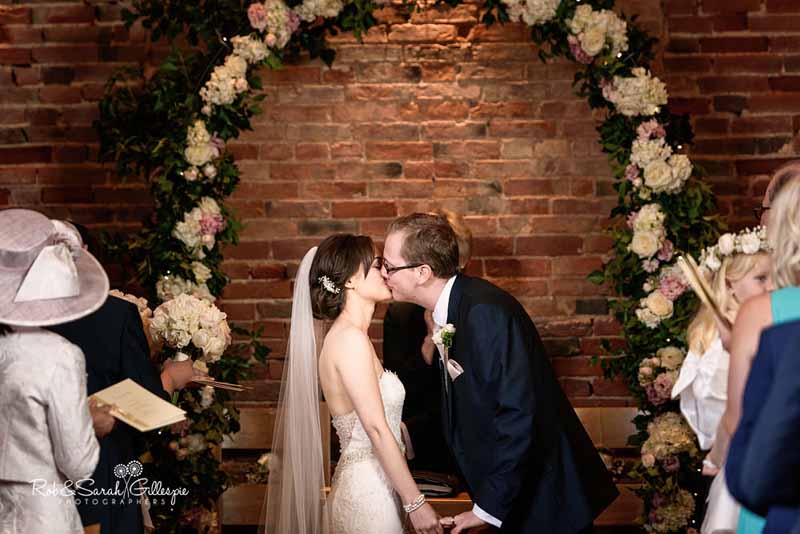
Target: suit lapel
452,318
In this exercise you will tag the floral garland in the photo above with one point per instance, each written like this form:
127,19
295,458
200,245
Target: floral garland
175,133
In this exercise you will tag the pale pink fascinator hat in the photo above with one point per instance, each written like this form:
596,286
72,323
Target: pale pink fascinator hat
46,278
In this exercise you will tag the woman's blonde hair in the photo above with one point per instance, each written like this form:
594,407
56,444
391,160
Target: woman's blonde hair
784,230
463,235
703,329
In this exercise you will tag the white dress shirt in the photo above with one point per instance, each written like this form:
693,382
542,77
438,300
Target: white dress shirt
440,318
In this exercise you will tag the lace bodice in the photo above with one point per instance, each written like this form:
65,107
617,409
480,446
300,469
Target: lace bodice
352,436
362,501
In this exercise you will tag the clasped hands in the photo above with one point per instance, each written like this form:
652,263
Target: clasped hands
465,522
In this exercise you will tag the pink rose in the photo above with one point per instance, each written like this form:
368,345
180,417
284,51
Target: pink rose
257,14
294,22
663,385
578,52
667,249
240,85
270,39
671,464
631,172
648,460
654,397
632,219
649,129
211,224
218,142
672,287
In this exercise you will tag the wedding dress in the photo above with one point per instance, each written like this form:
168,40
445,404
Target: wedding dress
362,500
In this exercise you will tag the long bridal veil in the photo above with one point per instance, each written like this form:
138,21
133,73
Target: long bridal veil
295,496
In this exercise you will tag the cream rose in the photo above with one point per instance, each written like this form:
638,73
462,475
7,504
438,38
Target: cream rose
645,244
659,304
671,357
750,243
727,244
658,176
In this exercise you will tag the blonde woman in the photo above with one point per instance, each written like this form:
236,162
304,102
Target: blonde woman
739,268
780,306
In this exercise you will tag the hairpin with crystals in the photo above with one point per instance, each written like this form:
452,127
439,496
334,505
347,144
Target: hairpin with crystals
328,284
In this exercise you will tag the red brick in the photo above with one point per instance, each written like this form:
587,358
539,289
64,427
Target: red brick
15,56
783,6
682,7
765,125
15,15
787,43
421,33
730,23
25,154
361,209
548,245
399,151
258,290
675,64
785,83
698,106
734,44
774,103
67,14
691,24
575,366
733,84
608,388
774,23
576,388
744,63
66,195
730,6
517,267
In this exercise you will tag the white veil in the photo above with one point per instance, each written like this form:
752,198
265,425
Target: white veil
295,496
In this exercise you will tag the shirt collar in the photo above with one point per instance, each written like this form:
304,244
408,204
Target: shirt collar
440,311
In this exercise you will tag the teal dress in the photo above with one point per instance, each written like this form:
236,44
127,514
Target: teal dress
785,305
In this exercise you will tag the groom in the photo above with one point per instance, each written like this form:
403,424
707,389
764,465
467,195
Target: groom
528,463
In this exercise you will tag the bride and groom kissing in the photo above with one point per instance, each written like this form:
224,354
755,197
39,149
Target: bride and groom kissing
525,458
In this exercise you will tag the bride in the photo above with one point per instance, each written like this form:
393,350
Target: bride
372,487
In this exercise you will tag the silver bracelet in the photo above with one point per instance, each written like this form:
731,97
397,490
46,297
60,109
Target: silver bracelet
416,505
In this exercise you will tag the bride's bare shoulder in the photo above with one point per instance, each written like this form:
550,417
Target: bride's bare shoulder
347,339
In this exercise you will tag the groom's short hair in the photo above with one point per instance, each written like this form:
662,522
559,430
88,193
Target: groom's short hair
428,239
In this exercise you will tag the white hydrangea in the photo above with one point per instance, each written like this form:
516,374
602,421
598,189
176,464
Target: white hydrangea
201,273
643,152
170,286
188,232
649,218
532,12
311,9
640,94
596,29
226,82
249,48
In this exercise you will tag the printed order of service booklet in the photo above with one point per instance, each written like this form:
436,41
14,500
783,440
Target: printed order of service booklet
137,407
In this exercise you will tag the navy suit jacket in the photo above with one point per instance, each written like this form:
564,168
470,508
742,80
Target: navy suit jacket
524,454
763,465
114,344
404,330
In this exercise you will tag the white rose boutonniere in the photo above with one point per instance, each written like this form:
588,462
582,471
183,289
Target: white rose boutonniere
444,336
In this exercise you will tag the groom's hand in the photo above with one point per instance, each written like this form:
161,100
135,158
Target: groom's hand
466,521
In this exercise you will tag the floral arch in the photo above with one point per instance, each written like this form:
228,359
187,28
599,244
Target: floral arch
171,125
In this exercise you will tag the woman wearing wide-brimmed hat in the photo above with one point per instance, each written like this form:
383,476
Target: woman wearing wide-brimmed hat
46,433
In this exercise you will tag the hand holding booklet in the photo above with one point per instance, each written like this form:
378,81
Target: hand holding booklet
134,405
700,286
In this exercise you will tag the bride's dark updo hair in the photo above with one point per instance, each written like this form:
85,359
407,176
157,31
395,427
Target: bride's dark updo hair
338,258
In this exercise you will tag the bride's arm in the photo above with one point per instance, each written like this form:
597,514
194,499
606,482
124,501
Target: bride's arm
357,372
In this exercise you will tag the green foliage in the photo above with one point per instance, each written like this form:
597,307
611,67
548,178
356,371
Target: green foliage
143,126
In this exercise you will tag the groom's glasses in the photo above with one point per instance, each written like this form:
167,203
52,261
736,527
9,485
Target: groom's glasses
383,264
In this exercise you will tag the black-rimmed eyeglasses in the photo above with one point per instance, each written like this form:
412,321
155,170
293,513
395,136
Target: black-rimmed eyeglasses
383,264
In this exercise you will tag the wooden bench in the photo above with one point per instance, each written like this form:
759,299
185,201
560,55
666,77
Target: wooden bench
240,506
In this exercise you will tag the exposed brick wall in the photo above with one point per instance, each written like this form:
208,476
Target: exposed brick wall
428,112
735,64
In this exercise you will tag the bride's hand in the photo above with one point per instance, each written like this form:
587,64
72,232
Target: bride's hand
425,520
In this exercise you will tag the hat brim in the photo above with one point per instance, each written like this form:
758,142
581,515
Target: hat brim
94,291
